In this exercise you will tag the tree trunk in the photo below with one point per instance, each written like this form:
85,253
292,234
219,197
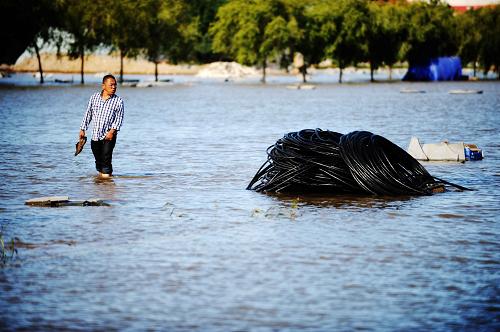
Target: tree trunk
340,75
82,54
371,72
303,70
156,71
40,70
121,67
475,67
264,64
390,73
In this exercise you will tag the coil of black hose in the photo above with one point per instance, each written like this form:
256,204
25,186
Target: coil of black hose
305,161
383,168
328,162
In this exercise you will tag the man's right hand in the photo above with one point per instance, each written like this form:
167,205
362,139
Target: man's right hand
82,133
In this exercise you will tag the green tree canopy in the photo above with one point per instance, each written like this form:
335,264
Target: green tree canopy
489,49
469,37
349,24
386,33
431,32
254,32
203,13
125,22
23,23
307,34
250,31
170,33
85,20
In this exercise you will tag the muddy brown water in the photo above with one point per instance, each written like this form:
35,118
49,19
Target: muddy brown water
184,247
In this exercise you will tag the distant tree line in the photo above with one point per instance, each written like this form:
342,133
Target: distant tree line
255,32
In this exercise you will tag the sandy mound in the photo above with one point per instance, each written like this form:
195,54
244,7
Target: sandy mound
226,70
99,63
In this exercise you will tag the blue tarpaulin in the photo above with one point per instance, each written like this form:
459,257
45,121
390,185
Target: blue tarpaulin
438,69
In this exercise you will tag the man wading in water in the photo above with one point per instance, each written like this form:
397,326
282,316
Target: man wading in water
106,109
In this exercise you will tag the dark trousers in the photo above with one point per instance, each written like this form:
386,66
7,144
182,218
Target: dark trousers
103,154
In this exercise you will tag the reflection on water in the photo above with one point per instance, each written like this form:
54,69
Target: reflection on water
183,246
344,201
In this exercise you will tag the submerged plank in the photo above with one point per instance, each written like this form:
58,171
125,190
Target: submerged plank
56,201
48,200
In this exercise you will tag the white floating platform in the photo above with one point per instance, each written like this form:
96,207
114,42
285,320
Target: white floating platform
151,84
465,92
411,91
301,87
443,151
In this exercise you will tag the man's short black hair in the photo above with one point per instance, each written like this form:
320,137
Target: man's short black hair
106,77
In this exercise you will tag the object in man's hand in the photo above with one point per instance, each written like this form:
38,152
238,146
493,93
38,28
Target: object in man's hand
79,145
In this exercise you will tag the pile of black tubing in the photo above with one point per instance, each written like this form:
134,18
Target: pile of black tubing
328,162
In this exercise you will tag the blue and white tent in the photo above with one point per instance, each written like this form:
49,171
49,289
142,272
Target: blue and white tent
438,69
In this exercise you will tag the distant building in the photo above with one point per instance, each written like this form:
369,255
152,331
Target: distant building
463,5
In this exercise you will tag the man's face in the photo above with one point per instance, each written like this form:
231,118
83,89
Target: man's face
109,86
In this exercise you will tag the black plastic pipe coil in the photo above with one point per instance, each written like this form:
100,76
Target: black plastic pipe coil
322,161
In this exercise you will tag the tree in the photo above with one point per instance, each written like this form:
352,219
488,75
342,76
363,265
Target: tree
202,13
307,35
85,21
489,50
18,28
431,32
350,21
124,23
169,31
469,33
49,18
250,31
26,25
277,35
385,35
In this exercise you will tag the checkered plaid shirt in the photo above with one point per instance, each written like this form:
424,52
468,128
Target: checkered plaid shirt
107,114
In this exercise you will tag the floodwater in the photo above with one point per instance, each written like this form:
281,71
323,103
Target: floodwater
184,247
